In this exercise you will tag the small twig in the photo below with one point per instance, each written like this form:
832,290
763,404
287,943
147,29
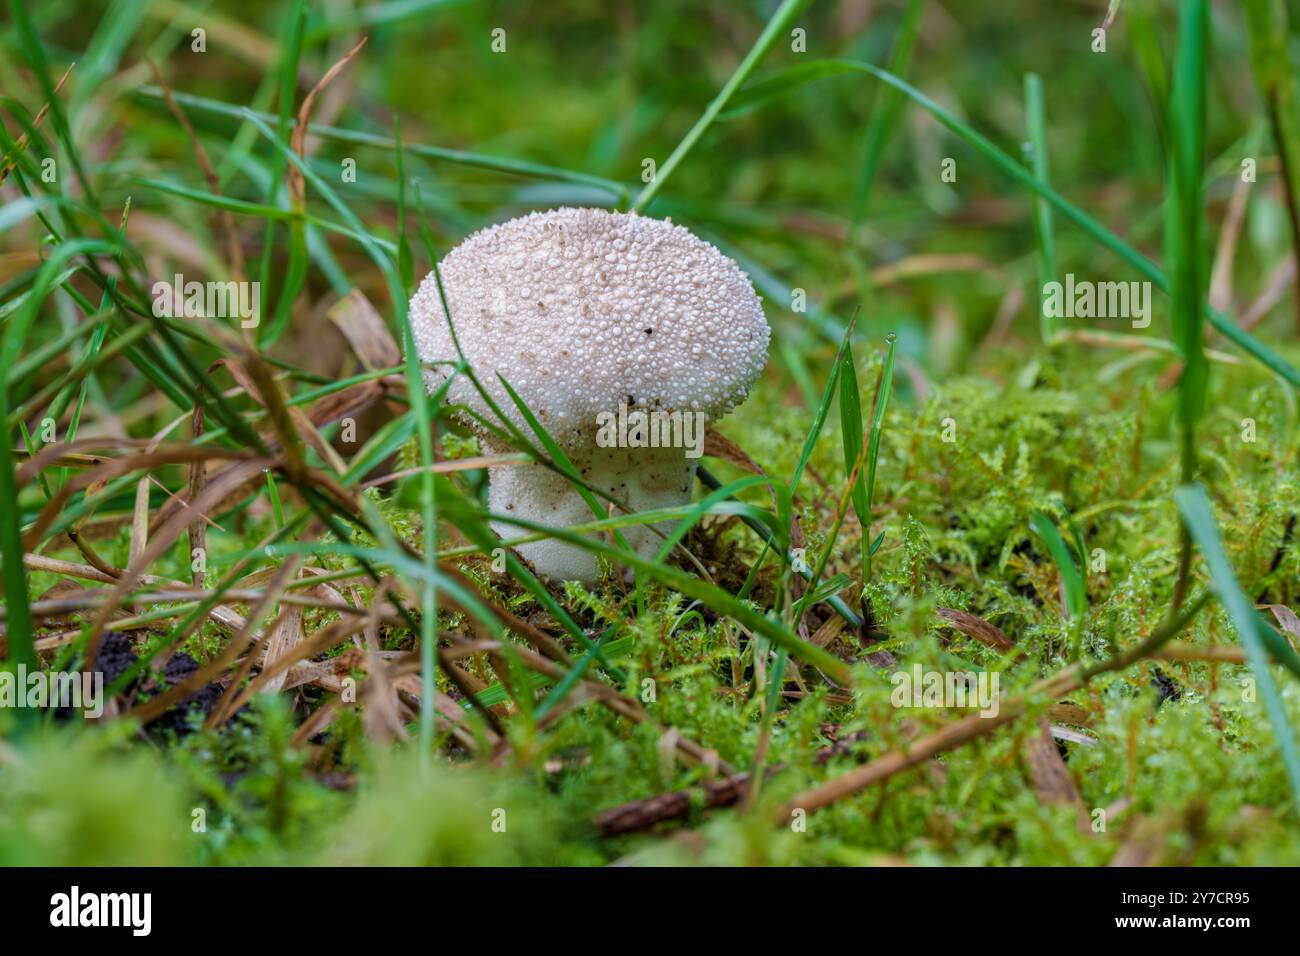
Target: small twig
969,728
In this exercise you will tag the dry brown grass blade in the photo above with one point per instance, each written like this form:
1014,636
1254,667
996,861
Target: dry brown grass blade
60,454
90,554
39,562
163,538
1067,713
1175,651
639,815
154,708
381,717
297,140
535,636
87,599
318,643
290,424
924,264
1225,251
111,469
451,466
1134,343
1287,620
198,530
240,477
364,328
283,575
1276,286
171,495
62,460
139,520
830,629
277,410
281,641
21,143
350,401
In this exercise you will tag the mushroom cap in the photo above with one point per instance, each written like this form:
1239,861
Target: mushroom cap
581,309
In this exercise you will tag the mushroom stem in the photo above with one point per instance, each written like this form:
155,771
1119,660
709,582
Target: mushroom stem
639,478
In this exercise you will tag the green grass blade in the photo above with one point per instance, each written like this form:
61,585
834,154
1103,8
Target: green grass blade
497,164
1194,505
1185,221
885,111
776,27
851,437
772,86
1076,599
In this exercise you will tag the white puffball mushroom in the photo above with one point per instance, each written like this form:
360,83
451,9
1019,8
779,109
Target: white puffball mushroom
584,310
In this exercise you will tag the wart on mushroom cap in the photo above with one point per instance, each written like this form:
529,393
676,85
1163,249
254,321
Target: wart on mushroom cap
581,310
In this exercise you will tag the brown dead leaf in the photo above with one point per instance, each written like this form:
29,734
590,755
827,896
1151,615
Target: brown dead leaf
1051,777
1286,619
976,628
363,327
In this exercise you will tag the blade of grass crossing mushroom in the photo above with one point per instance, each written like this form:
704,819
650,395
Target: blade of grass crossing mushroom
566,466
419,399
426,234
773,86
1036,122
1194,506
777,26
474,526
418,396
558,456
710,594
480,532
